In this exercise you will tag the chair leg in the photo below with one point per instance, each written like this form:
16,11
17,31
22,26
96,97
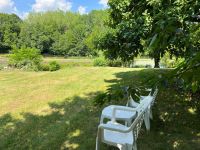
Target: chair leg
129,147
151,115
135,146
101,120
122,147
147,121
97,144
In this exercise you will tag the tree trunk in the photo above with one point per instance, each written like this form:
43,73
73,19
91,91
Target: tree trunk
157,61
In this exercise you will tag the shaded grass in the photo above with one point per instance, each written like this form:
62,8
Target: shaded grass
54,110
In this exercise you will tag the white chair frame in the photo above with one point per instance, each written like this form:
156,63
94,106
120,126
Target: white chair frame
115,128
124,117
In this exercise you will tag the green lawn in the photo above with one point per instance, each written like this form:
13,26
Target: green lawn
54,110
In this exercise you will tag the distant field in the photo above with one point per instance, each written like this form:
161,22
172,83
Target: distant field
73,61
79,61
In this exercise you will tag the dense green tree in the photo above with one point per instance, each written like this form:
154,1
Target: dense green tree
63,33
97,19
153,26
9,31
169,30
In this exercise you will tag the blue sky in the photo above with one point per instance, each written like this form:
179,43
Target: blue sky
23,7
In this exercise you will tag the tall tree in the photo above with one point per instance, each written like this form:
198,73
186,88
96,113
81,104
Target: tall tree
9,31
154,26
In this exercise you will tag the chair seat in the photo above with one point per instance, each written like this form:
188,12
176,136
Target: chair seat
118,137
120,114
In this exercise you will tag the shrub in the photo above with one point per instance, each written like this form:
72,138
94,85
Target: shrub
44,67
172,62
139,66
25,58
117,94
115,63
100,61
54,66
51,66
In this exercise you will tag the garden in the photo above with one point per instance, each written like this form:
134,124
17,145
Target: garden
59,70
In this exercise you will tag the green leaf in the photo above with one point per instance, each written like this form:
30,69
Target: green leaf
194,86
153,40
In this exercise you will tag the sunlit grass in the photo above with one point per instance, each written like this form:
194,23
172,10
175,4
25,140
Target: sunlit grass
32,91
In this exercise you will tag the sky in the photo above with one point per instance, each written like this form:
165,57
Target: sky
23,7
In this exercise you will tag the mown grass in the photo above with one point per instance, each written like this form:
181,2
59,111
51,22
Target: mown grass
54,110
64,62
71,61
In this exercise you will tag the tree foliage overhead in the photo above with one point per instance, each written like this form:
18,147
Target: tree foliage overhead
150,26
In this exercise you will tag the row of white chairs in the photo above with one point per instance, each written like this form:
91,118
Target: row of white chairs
124,135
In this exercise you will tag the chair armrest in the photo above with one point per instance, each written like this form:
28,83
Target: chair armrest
114,127
149,90
123,108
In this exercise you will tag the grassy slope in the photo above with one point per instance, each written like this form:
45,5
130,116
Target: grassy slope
53,110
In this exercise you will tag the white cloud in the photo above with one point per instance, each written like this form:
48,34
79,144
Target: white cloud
103,2
46,5
82,10
23,15
7,6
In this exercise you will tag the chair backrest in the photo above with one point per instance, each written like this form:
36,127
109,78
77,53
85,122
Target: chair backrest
142,108
137,124
138,121
131,102
154,95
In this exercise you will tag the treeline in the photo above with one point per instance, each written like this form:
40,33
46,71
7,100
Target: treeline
57,32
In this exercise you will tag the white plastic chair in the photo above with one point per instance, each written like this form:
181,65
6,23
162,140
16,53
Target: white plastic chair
118,135
121,115
127,116
132,103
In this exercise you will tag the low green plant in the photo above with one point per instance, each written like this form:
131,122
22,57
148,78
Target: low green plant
44,67
139,66
115,63
25,58
170,62
51,66
100,61
118,94
54,66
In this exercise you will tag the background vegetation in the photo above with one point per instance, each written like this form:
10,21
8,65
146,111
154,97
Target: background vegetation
57,33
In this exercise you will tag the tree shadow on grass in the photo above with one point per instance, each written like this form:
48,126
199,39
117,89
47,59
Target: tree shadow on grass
176,123
72,124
